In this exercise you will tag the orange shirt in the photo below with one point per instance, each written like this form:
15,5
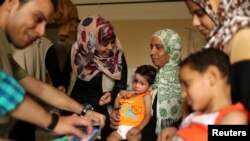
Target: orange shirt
195,126
132,109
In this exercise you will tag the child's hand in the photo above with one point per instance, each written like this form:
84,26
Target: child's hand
125,94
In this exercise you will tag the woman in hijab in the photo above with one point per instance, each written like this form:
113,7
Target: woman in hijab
165,54
166,47
231,31
99,64
226,26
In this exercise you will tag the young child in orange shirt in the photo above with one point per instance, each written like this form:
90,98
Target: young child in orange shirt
135,106
205,81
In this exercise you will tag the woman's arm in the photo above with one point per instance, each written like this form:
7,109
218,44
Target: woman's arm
239,46
238,51
120,84
66,71
53,67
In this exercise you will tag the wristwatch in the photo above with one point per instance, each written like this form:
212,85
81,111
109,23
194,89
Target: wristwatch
53,123
86,108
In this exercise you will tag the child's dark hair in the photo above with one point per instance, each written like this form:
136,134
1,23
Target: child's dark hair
147,71
201,60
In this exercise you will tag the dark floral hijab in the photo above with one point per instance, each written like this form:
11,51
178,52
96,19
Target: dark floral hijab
231,17
85,61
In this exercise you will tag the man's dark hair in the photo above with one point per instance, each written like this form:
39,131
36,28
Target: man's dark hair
1,2
147,71
201,60
54,2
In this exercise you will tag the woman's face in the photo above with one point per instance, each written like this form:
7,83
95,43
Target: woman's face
158,54
105,49
200,18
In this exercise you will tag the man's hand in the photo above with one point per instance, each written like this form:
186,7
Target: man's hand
68,125
97,117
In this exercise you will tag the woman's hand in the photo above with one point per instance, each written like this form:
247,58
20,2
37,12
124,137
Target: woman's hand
105,99
166,134
114,118
62,89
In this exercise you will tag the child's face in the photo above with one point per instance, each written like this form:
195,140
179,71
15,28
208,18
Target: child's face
195,88
140,84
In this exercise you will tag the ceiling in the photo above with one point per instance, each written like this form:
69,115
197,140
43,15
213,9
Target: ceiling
133,9
105,2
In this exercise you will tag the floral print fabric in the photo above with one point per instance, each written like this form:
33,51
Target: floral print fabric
232,16
167,82
85,61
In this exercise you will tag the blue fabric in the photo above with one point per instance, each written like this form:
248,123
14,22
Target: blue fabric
11,93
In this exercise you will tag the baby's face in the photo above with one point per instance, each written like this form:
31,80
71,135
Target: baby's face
140,84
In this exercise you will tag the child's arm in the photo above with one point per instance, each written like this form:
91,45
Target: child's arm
235,118
117,99
147,102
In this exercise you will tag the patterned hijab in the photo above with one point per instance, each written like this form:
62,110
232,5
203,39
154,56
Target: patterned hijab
231,17
85,61
167,81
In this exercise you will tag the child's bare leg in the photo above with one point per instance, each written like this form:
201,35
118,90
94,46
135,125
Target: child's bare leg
114,136
134,138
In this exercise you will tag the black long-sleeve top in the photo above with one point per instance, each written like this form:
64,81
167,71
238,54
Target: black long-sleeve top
53,67
240,80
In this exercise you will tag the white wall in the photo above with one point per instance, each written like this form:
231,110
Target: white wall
140,11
